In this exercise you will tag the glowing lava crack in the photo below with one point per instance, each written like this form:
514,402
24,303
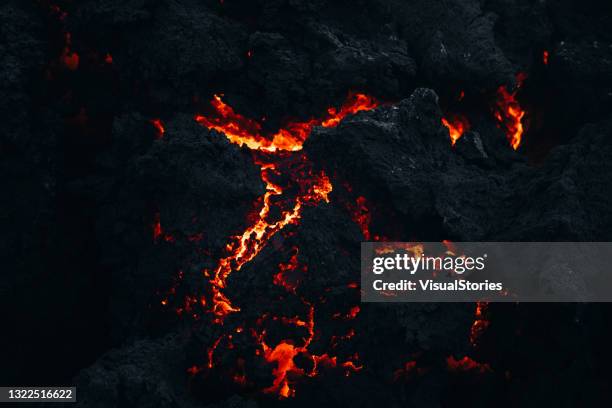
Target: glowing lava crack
313,189
244,131
273,154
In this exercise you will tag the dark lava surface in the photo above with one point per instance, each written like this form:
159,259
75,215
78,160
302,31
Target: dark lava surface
105,216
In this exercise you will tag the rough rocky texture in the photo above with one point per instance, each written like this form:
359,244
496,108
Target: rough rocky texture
191,178
84,174
401,156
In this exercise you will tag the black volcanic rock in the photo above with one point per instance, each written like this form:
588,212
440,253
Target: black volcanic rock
32,234
192,178
166,50
86,179
522,29
401,156
582,72
328,63
29,162
455,42
147,373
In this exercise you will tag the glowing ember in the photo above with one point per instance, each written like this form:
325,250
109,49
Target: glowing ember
457,125
405,372
360,214
157,229
466,364
350,315
69,58
159,127
480,323
211,351
509,113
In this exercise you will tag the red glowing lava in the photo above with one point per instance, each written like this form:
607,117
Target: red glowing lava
157,229
406,371
457,125
480,323
360,214
308,187
313,189
284,353
248,132
466,364
69,58
246,246
159,128
509,113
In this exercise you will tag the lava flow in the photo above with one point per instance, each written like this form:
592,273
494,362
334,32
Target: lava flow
248,132
272,153
457,125
509,113
313,189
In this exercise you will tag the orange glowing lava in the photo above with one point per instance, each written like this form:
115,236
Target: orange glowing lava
69,58
509,113
246,246
278,209
157,229
248,132
290,273
283,356
360,214
406,371
457,125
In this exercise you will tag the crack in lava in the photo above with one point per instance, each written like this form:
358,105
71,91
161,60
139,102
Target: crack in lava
275,155
315,187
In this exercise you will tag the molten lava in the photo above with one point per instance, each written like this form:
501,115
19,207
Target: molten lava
284,353
248,132
305,187
245,247
313,189
509,113
290,273
457,125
